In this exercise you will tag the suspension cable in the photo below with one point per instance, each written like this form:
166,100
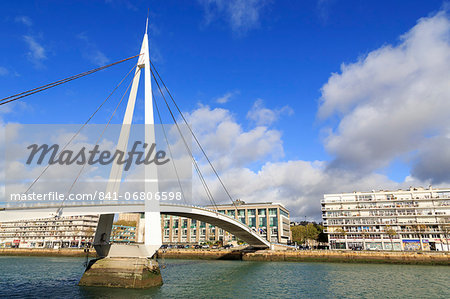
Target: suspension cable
98,140
18,96
197,168
195,137
81,128
169,147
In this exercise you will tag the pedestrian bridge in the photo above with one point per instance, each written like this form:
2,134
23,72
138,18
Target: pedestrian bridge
229,224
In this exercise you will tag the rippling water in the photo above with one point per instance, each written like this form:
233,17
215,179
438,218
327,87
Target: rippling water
32,277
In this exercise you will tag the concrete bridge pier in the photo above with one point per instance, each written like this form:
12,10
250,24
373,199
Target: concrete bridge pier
122,272
121,266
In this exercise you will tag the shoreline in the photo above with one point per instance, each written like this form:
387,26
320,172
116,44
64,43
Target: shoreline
64,252
412,258
377,257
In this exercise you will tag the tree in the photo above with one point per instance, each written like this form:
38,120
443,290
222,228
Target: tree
419,229
391,233
298,234
311,232
125,223
322,238
364,235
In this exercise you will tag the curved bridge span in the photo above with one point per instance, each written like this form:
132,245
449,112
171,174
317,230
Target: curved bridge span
225,222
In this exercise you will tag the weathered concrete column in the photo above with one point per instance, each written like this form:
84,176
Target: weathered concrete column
127,272
126,266
103,234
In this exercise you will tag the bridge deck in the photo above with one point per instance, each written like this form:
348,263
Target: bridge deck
229,224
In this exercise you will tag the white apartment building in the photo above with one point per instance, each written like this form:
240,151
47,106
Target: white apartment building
58,232
413,219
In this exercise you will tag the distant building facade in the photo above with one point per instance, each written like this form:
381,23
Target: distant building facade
59,232
413,219
270,220
123,234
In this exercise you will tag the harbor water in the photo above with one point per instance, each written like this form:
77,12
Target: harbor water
57,277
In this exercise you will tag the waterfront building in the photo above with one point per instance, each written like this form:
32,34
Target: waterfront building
270,220
413,219
58,232
123,234
139,223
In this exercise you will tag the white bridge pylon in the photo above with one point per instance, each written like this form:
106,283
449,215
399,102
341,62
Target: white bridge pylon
229,224
152,235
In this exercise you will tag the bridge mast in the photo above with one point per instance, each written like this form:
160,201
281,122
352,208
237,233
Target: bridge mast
153,238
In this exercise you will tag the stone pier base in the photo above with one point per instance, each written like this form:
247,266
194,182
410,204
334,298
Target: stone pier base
129,272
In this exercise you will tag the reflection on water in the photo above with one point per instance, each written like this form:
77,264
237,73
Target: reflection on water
58,277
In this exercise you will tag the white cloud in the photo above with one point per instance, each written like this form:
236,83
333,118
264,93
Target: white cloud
432,162
226,97
263,116
392,100
242,15
24,20
91,51
297,184
392,103
228,143
37,52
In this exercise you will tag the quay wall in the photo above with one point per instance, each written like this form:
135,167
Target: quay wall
425,258
46,252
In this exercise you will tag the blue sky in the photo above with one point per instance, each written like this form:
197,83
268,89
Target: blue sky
262,58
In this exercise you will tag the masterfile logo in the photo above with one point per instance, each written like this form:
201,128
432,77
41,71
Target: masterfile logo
52,155
52,164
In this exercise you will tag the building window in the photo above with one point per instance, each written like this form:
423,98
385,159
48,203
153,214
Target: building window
273,221
284,213
262,222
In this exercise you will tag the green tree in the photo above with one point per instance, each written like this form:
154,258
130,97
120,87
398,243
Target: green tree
311,232
322,238
391,233
298,233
